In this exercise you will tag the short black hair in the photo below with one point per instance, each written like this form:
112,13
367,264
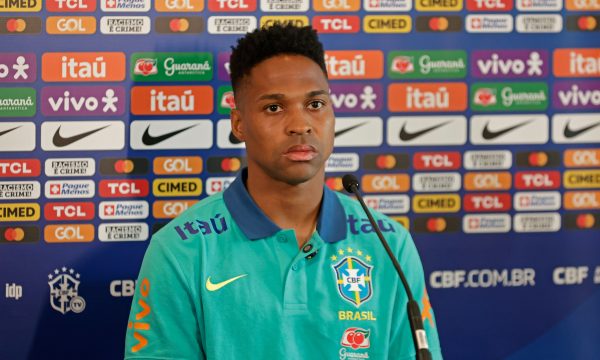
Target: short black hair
267,42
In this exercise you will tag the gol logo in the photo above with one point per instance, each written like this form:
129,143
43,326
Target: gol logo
336,5
487,202
386,183
436,203
429,97
69,233
179,165
171,100
69,211
582,5
487,181
71,25
582,158
350,64
83,66
577,200
179,5
168,209
138,325
71,5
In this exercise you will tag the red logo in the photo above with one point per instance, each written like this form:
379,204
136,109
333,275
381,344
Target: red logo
232,5
69,211
356,338
145,67
437,160
489,5
537,180
71,5
20,167
487,202
336,24
123,188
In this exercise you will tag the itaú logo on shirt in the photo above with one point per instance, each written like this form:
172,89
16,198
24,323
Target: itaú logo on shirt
216,224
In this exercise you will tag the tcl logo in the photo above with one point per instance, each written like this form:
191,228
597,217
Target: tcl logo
537,180
437,160
20,167
231,5
122,288
69,233
124,188
71,5
336,24
489,5
487,202
167,209
69,211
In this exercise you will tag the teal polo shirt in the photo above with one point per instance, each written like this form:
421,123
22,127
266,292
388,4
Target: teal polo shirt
222,281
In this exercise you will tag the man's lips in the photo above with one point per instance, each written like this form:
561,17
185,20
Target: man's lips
301,153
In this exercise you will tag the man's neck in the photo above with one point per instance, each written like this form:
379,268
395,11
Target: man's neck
288,206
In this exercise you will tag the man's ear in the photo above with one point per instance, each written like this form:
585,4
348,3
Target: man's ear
236,124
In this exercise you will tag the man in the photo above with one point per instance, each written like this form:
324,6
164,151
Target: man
277,266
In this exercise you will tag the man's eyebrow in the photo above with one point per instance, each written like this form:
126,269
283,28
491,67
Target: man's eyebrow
278,96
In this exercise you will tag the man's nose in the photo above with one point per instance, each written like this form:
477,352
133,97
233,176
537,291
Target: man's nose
299,122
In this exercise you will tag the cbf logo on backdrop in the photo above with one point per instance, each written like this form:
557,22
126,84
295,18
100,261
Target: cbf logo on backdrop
64,287
353,277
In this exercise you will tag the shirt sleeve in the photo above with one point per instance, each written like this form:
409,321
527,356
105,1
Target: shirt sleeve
165,312
401,345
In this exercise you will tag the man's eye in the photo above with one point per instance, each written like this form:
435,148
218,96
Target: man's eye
273,108
316,105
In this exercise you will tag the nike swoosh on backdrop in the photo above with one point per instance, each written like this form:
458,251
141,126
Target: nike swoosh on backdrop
407,136
489,135
213,287
572,133
9,130
60,141
343,131
149,140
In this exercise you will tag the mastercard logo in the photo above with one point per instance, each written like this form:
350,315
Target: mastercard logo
585,221
334,183
439,23
179,25
225,164
587,23
14,234
171,25
582,221
124,166
538,159
16,25
437,224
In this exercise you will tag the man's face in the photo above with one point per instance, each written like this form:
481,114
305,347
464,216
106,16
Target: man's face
285,116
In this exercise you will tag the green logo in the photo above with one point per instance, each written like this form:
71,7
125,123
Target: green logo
17,102
434,64
156,66
530,96
225,99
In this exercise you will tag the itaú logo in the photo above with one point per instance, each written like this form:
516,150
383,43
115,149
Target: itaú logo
139,325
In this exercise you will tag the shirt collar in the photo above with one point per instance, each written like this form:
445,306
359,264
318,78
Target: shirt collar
331,224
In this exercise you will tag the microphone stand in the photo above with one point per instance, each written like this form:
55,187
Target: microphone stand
414,313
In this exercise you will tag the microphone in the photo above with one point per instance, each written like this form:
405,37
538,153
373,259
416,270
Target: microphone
350,183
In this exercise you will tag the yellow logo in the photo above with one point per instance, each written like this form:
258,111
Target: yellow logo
387,23
214,287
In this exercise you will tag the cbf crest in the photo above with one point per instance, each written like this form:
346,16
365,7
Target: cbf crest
64,287
353,278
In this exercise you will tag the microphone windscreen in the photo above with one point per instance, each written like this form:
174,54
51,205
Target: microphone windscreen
349,181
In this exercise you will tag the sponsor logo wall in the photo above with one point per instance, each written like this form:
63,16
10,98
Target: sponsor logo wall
461,123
